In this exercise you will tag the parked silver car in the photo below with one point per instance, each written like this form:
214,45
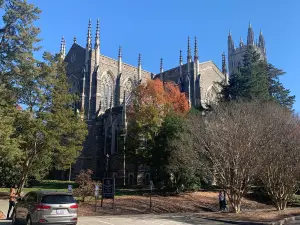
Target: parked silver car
44,207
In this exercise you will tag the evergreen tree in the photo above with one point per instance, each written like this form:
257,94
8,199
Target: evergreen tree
49,131
278,92
256,79
249,81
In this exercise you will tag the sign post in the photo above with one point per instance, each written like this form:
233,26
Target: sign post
96,196
108,190
151,188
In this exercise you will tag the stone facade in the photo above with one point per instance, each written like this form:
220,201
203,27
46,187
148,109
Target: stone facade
236,55
104,86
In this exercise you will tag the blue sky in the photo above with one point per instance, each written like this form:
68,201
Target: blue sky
159,29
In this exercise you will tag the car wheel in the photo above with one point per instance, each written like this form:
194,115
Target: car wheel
28,221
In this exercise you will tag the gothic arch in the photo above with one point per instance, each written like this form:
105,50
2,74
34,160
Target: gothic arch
107,88
211,95
127,86
131,179
73,81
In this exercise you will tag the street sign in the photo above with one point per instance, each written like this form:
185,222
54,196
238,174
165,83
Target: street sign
108,189
70,188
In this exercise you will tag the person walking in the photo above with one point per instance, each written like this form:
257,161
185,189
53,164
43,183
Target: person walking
221,200
12,201
224,201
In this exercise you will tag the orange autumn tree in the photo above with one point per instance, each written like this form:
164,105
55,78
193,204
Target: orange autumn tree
151,102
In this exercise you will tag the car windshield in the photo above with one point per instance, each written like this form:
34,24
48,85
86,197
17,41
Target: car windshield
58,199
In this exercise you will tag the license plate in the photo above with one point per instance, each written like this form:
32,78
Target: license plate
61,211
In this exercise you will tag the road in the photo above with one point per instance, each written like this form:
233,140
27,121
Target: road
168,219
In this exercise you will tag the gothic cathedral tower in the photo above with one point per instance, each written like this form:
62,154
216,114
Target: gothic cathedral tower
236,55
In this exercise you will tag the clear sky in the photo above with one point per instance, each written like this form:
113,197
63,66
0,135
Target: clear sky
159,29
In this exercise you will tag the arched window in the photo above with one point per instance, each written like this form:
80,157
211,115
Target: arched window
131,179
107,90
211,95
127,87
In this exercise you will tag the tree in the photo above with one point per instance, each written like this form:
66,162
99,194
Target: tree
229,138
162,148
18,36
182,163
249,81
86,186
256,79
68,130
280,169
278,92
17,39
51,132
151,102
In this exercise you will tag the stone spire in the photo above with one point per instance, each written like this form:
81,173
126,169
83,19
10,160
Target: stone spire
75,40
230,43
180,58
89,36
250,37
241,42
118,97
180,64
97,45
196,50
120,60
161,69
63,48
224,67
189,55
83,91
261,41
189,91
88,44
139,68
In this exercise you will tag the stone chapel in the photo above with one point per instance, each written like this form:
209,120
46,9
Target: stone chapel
104,85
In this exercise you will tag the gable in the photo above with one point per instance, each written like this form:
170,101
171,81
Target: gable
75,59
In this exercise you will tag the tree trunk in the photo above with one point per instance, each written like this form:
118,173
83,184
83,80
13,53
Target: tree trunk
237,206
25,170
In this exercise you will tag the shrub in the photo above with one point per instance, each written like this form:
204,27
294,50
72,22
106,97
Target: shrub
86,186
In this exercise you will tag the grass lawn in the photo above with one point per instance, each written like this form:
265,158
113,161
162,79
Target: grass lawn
53,185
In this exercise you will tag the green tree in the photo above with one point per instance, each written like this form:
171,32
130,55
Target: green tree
18,37
161,149
278,92
68,129
249,81
257,79
51,132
